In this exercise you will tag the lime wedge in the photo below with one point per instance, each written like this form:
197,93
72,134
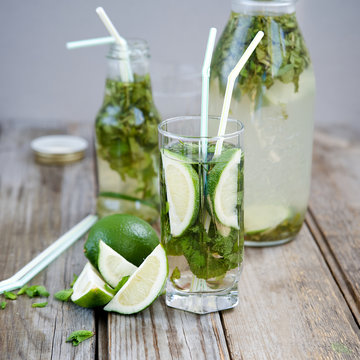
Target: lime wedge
112,266
223,187
89,289
143,286
260,218
182,190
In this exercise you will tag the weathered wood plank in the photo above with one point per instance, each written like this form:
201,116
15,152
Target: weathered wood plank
290,307
335,207
38,204
160,332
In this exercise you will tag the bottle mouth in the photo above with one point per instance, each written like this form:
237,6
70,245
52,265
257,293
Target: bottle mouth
275,6
137,48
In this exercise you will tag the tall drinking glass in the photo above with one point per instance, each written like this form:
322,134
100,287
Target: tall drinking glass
201,196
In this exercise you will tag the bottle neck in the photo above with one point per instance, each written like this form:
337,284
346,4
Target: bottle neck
263,7
121,61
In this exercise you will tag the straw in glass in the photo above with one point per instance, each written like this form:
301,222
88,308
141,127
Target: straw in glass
200,284
23,276
125,66
230,87
90,42
205,90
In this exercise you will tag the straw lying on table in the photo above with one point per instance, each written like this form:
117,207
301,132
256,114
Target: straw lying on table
23,276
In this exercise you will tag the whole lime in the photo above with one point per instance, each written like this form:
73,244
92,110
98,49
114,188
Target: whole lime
131,237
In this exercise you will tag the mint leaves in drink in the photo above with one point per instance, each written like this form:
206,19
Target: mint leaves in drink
126,133
281,54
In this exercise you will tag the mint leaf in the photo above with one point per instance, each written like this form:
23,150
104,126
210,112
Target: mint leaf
74,280
22,290
121,283
9,295
3,305
175,275
39,305
126,135
36,290
109,289
64,295
79,336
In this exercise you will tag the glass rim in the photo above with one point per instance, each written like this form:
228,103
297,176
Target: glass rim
188,138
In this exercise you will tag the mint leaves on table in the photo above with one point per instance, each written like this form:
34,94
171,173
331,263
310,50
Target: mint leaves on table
33,291
64,295
30,291
121,283
39,305
9,295
79,336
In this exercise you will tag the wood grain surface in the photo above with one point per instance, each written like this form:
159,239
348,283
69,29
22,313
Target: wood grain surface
335,207
297,301
38,204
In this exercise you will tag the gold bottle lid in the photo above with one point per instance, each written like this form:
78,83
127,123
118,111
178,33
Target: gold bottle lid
58,149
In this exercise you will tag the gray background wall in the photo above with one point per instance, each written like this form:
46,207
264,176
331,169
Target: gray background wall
41,79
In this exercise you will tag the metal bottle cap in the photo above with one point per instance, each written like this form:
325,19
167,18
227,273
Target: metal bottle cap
58,149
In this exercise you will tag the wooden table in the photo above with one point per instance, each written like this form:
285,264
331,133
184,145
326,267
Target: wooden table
297,301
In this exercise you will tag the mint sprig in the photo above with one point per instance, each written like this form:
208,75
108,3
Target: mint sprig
79,336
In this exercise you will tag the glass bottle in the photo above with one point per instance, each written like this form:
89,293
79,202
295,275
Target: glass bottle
274,99
126,138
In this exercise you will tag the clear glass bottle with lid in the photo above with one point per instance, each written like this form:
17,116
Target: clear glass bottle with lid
274,98
126,138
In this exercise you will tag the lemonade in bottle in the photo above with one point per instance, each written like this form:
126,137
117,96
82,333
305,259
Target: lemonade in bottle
274,99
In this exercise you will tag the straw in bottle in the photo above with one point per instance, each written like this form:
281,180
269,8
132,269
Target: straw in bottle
125,66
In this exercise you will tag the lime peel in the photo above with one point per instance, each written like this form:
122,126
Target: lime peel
89,289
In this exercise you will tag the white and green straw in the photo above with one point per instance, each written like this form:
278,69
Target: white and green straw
230,87
205,90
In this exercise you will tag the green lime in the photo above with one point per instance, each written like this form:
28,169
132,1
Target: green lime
182,191
143,286
112,266
89,289
128,235
223,183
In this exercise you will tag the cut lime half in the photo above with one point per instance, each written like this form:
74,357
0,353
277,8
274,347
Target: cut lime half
143,286
223,181
89,289
112,266
182,191
260,218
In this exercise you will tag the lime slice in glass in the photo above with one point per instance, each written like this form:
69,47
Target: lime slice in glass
89,289
223,187
143,286
260,218
182,190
